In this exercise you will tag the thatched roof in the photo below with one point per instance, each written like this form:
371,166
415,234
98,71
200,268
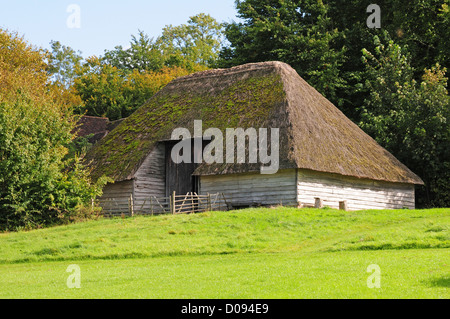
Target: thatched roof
88,125
94,127
314,134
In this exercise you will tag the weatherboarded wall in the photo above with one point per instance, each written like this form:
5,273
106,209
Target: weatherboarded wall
292,187
253,189
115,198
150,179
359,193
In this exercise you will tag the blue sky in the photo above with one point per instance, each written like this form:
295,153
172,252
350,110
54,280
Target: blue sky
103,24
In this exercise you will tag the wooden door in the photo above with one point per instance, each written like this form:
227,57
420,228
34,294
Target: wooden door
179,176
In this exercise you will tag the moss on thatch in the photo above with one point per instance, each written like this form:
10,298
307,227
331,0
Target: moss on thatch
314,134
243,99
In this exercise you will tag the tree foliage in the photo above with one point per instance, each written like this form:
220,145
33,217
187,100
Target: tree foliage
119,82
196,43
142,55
37,188
115,93
62,63
411,119
420,25
21,66
299,33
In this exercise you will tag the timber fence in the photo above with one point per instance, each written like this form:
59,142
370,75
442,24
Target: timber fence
174,204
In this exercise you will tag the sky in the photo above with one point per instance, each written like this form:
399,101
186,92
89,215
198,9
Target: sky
98,25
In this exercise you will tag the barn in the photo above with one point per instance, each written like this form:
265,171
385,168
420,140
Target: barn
324,158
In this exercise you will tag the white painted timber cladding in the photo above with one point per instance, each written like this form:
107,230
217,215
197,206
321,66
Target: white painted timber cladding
359,193
253,189
150,179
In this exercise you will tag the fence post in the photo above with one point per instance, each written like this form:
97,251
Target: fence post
318,202
209,202
343,205
151,204
131,205
172,206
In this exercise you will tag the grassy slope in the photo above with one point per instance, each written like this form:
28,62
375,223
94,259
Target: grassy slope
257,253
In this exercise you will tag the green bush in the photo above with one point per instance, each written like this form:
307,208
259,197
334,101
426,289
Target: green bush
38,187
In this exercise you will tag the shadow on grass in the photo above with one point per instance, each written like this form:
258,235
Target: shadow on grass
54,255
443,281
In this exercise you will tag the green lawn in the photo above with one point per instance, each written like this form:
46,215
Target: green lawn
254,253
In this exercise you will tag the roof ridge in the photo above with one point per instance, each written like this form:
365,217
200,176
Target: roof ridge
230,71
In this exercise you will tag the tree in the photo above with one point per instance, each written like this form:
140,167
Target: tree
187,46
116,93
443,32
101,88
63,61
299,33
196,43
420,25
323,40
142,55
38,186
410,118
21,66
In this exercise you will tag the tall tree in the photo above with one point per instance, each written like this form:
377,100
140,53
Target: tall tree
323,39
142,55
63,61
410,118
38,185
117,93
298,32
420,25
196,43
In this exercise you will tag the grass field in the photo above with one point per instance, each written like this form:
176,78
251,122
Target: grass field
254,253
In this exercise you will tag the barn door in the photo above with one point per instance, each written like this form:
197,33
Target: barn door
179,176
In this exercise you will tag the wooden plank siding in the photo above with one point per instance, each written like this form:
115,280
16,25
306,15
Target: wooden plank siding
150,179
116,196
253,189
359,193
292,187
